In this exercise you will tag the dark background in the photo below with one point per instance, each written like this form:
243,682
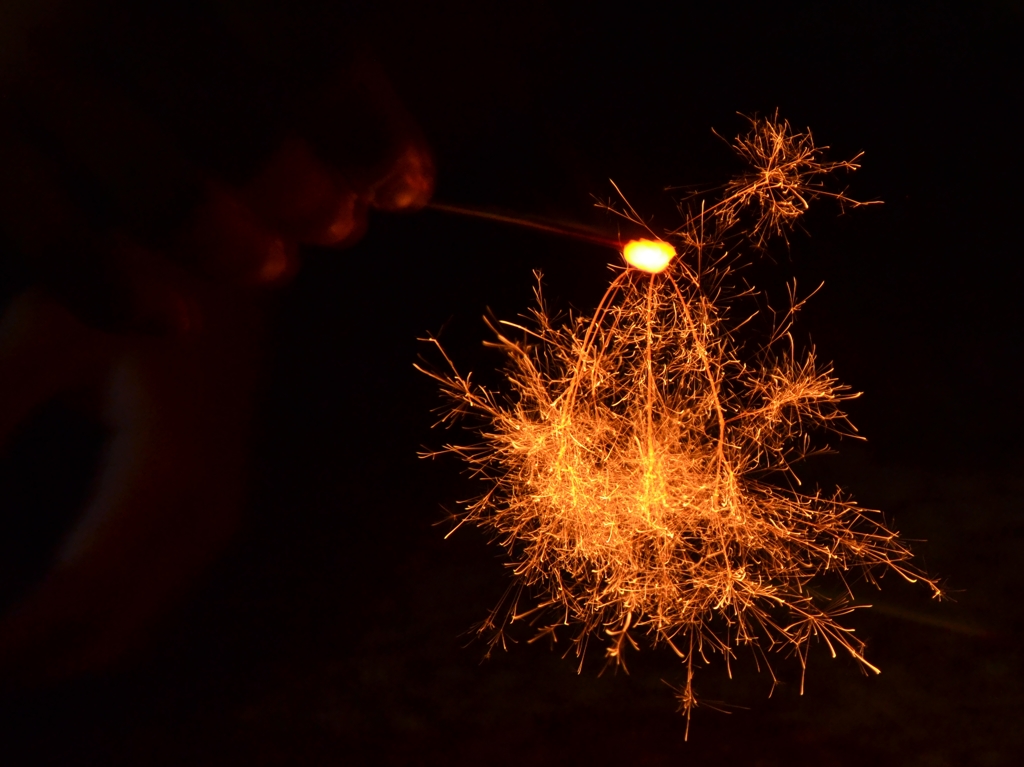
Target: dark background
336,630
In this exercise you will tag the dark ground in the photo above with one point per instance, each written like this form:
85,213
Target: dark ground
335,629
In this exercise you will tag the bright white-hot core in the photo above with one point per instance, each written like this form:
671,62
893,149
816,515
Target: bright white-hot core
648,255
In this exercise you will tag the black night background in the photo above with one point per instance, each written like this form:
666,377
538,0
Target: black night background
337,626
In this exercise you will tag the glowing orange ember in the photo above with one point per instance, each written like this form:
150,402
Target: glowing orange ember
648,255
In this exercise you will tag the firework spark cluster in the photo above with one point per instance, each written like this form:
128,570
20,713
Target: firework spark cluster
639,464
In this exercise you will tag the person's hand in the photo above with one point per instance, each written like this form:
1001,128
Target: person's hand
143,142
153,186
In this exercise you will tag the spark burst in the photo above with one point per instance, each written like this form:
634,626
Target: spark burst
639,469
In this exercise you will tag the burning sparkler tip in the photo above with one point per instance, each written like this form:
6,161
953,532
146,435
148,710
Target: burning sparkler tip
650,256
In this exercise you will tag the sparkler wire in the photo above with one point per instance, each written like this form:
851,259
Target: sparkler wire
524,222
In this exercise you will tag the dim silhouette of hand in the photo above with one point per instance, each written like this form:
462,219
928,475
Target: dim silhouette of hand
159,168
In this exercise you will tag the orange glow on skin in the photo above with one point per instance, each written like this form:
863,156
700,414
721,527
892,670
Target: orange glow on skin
648,255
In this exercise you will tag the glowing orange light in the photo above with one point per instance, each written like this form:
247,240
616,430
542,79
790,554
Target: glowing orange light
628,466
648,255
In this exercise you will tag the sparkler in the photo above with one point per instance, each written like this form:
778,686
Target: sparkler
639,469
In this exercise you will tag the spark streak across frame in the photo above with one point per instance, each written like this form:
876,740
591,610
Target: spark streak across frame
639,469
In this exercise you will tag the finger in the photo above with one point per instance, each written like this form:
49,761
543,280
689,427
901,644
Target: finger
409,183
375,157
228,241
298,195
364,134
